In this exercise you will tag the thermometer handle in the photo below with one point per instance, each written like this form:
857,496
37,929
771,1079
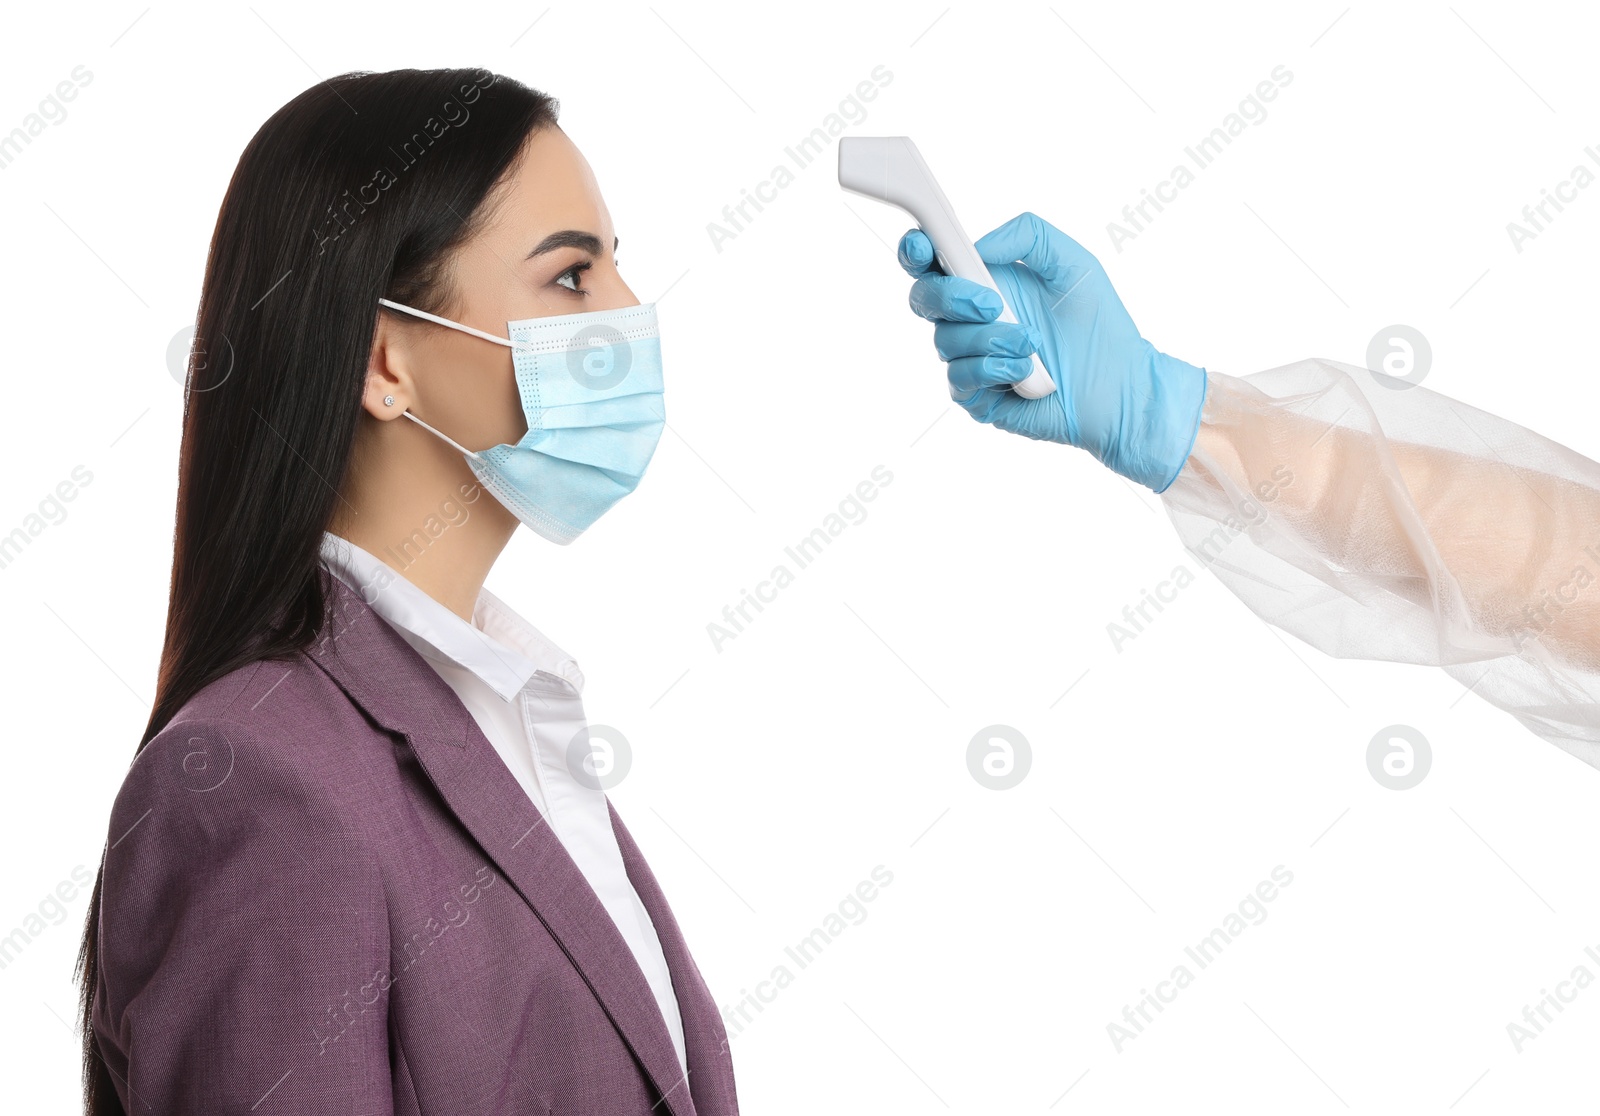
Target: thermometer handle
890,169
962,259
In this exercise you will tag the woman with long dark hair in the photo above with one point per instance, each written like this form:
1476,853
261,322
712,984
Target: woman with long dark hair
363,860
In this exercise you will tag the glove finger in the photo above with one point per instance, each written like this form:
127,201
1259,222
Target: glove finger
976,339
976,373
951,298
985,404
915,253
1056,257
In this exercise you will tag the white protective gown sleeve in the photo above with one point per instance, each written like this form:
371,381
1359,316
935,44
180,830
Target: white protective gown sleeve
1379,520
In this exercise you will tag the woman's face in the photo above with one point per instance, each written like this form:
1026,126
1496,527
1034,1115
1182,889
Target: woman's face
548,247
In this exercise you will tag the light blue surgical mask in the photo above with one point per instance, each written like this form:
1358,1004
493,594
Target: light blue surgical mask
590,385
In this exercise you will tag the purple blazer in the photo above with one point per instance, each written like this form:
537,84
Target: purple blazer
325,893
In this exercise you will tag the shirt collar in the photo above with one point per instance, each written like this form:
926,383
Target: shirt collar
499,646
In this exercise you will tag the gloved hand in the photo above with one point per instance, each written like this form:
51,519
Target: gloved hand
1134,408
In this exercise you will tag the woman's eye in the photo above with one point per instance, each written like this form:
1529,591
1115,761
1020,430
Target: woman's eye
574,272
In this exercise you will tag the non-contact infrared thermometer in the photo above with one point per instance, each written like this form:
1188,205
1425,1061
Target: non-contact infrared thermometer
890,169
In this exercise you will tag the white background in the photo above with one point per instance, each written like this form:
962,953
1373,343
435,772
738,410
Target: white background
770,777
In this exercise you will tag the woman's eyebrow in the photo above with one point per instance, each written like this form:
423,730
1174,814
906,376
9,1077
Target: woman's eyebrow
570,238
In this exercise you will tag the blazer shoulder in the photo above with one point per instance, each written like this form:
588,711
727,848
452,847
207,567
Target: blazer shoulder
272,694
271,734
289,703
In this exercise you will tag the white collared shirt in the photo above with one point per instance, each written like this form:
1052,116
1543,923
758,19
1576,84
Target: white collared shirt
523,691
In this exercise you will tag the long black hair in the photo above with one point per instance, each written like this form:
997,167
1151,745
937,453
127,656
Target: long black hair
359,188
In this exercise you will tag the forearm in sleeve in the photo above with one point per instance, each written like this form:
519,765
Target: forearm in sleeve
1378,519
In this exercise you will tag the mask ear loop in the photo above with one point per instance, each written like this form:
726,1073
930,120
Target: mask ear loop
453,325
447,322
470,453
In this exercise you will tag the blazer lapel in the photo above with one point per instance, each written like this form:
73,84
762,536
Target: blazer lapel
381,673
705,1039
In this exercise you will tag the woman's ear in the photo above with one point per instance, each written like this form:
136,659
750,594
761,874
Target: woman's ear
387,393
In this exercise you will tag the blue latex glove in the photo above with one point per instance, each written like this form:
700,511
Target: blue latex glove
1134,408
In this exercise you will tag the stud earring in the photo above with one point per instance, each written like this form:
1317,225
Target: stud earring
388,401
